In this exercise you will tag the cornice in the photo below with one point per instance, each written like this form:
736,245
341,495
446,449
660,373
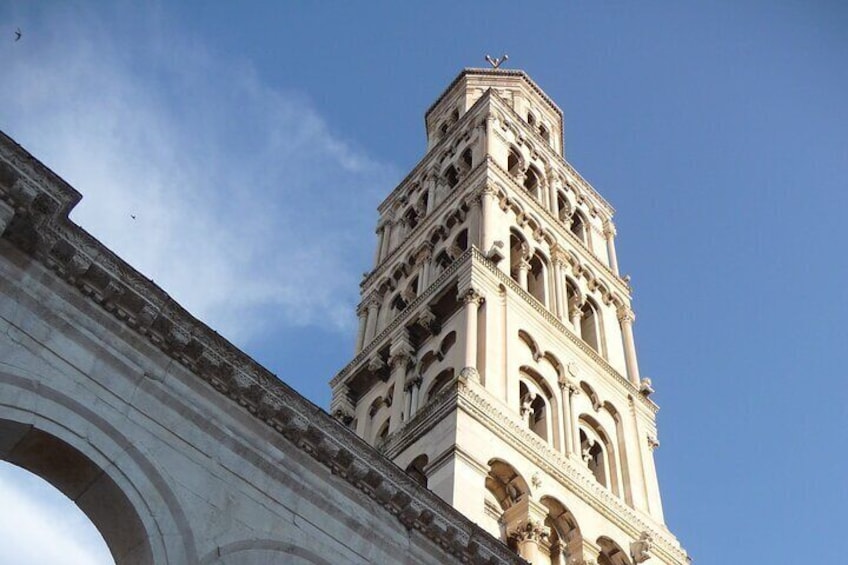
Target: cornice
495,72
475,403
41,228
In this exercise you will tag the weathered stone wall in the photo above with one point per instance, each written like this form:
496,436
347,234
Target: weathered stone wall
178,446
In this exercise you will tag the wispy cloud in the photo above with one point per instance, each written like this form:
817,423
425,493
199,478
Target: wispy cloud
48,527
249,210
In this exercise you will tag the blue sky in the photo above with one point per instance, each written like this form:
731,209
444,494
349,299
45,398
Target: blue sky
254,141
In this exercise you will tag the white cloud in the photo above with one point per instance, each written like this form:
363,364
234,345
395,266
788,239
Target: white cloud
48,528
248,207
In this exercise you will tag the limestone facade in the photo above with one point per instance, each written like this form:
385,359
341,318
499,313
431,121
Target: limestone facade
495,359
178,446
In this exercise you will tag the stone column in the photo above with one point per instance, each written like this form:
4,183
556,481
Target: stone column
422,261
362,314
381,236
609,234
523,269
567,389
573,390
472,300
400,355
575,314
388,228
430,179
626,317
371,320
525,525
559,289
487,235
413,388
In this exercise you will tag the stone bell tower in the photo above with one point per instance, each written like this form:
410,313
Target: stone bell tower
495,359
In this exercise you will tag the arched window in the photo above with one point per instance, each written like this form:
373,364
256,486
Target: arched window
546,135
590,326
532,182
416,470
563,206
451,176
531,119
440,383
514,163
537,404
566,541
504,488
466,158
592,451
461,241
612,553
580,226
537,278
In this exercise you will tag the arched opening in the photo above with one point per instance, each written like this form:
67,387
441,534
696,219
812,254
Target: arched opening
598,452
461,241
467,159
84,482
546,135
439,384
566,541
563,207
533,182
531,119
504,488
451,176
612,553
592,451
416,470
580,227
537,277
537,405
590,326
32,510
514,162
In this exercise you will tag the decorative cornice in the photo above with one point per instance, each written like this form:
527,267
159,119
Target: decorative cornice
41,229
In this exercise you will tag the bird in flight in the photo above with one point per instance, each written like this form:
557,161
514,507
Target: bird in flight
132,216
18,34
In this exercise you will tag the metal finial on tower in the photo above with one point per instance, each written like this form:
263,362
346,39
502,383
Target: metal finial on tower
495,62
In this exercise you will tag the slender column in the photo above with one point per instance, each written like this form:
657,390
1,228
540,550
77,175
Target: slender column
472,300
414,392
362,314
400,355
559,290
381,233
575,314
387,239
609,234
567,389
626,317
371,320
431,191
523,269
573,390
487,235
553,185
422,261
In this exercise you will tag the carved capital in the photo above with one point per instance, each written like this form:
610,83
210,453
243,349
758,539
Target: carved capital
645,386
471,296
530,530
626,315
469,374
424,254
343,415
428,320
575,308
609,230
653,442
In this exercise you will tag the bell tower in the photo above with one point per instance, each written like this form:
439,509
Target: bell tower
495,358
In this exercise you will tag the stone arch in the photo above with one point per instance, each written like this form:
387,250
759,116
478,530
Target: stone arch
416,469
538,405
598,452
566,540
95,464
505,483
262,551
612,553
531,344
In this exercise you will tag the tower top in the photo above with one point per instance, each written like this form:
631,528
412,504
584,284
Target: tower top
513,86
